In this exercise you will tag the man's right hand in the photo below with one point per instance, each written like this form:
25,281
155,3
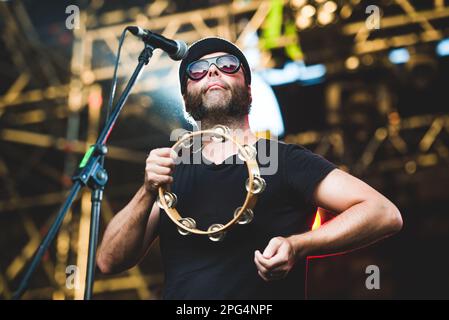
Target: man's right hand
160,165
132,230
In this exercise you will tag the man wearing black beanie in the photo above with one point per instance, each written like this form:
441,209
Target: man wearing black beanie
264,259
236,96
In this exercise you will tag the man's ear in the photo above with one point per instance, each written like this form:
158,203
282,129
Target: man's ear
250,95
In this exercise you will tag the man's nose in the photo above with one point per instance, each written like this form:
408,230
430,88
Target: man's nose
213,71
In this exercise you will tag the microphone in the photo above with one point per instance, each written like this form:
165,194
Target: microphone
176,49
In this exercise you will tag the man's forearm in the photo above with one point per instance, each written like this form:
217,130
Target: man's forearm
124,237
358,226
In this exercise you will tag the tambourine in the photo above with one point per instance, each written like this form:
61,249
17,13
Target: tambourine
244,214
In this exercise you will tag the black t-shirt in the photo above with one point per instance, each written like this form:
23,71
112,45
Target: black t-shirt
198,268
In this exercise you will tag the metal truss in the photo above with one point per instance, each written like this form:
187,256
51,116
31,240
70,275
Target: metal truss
411,16
392,35
432,133
68,100
55,100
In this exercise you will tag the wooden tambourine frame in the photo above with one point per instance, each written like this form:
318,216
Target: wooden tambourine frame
255,185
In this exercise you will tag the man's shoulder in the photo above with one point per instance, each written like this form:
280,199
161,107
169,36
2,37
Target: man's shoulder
282,146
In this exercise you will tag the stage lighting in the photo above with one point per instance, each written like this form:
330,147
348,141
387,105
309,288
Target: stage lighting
346,11
313,73
324,17
326,13
298,3
265,112
295,71
308,11
303,22
399,56
443,48
330,6
352,63
321,12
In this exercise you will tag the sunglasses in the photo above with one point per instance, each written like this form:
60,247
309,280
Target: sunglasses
227,64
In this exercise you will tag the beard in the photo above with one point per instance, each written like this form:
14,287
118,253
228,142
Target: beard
227,105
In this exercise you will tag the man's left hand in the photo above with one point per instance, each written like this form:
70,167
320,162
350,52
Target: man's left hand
277,259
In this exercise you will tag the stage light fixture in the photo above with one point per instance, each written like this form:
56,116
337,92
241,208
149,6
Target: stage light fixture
443,48
399,56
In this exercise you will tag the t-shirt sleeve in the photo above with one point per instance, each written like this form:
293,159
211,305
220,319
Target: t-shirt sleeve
304,170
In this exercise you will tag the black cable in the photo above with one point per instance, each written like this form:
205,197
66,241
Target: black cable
114,82
114,77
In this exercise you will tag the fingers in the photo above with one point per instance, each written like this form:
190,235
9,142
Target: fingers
270,264
164,152
159,168
269,274
272,247
161,161
264,273
155,180
163,157
275,262
261,267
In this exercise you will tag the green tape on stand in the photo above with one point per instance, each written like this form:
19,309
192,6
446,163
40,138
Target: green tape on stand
86,157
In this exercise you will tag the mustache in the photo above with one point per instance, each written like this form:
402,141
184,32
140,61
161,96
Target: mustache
238,106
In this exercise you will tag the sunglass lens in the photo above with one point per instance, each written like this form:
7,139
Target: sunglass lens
228,64
198,69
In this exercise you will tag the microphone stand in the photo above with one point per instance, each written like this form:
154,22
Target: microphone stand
91,173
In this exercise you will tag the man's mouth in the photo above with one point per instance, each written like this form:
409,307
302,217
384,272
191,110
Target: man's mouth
214,86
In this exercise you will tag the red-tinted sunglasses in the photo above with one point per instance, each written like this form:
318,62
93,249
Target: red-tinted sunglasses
226,63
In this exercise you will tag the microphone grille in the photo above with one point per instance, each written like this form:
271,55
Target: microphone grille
182,51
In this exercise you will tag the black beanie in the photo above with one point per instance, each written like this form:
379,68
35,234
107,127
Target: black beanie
209,45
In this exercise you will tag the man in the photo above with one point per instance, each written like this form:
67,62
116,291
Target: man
264,259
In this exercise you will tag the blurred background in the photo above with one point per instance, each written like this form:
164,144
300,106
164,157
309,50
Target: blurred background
363,83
